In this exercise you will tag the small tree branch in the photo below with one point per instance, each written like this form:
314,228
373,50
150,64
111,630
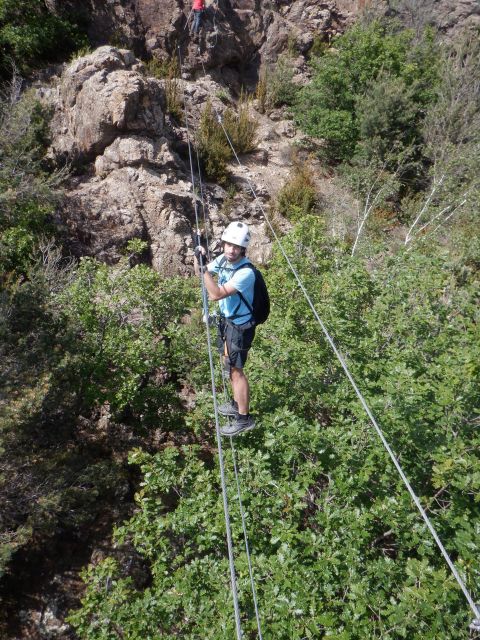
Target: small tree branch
435,186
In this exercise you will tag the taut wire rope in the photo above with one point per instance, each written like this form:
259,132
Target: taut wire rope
233,578
474,607
202,200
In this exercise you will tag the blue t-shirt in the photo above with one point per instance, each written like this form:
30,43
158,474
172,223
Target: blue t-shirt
243,280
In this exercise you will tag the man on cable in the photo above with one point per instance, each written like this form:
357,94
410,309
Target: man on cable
234,291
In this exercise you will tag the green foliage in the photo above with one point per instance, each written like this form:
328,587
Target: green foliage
299,196
161,69
213,146
212,143
275,86
31,34
80,343
387,116
338,549
223,94
336,105
168,70
241,127
116,320
28,193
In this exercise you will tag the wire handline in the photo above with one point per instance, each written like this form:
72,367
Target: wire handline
474,607
247,548
242,514
202,200
233,578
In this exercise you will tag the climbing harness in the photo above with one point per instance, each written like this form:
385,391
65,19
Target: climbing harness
474,607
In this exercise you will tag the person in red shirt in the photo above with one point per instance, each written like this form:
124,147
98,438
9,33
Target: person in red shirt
198,8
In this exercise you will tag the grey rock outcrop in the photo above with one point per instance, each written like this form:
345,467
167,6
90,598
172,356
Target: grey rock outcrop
100,97
110,117
448,16
239,35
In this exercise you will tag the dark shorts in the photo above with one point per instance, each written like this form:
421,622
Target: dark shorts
234,341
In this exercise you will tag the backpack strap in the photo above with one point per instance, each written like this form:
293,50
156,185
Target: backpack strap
242,298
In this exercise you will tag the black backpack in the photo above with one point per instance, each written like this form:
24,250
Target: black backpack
260,309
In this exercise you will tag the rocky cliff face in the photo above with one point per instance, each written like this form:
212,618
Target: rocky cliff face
110,121
242,30
448,16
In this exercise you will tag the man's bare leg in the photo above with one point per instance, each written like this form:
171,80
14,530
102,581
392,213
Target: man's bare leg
241,390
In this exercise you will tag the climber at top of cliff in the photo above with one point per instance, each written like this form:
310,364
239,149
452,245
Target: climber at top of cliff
198,7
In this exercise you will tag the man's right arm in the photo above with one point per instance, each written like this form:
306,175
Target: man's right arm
214,291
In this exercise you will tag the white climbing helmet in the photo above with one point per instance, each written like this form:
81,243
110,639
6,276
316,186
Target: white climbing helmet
237,233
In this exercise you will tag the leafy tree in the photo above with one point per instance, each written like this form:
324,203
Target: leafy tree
330,106
31,34
29,192
451,131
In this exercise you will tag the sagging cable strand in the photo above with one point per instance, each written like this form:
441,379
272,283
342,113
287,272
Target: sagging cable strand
473,606
247,548
242,514
233,578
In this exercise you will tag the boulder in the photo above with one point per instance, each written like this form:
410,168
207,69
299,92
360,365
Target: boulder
100,97
102,215
132,151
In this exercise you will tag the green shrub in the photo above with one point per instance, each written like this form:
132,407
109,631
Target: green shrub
31,34
318,48
212,143
240,126
223,94
275,86
169,71
299,196
213,146
28,190
338,549
337,105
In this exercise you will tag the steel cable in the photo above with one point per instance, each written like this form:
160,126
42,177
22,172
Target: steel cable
233,578
242,515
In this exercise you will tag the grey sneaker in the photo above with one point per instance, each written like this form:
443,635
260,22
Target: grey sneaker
239,425
229,408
